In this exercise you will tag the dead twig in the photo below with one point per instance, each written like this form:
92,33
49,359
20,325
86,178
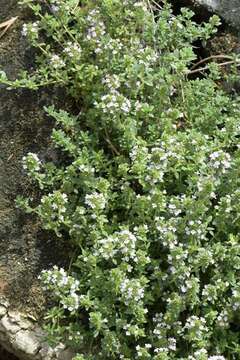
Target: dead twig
220,56
6,25
10,157
113,148
156,4
190,72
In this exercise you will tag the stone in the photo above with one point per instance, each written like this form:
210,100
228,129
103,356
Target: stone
66,355
3,311
39,333
46,352
58,350
7,326
229,10
4,301
19,319
26,342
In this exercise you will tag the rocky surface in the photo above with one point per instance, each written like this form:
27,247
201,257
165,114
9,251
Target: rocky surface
20,336
229,10
24,249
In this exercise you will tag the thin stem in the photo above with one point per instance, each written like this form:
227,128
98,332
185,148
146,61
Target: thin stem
113,148
190,72
156,4
220,56
76,7
150,7
42,49
71,261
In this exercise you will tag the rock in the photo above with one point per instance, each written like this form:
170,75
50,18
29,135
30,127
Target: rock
19,319
3,311
46,352
25,339
66,355
59,349
4,302
228,9
8,326
26,342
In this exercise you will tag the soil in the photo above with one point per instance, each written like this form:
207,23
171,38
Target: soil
24,248
4,355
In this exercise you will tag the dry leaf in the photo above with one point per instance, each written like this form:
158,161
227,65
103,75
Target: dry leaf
6,25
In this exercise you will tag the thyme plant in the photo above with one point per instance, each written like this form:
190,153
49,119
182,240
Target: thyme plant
148,186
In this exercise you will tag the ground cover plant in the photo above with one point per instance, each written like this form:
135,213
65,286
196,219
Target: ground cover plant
147,187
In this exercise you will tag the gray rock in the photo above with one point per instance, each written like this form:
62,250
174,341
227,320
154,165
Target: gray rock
8,326
26,342
3,311
4,302
19,319
229,10
46,352
66,355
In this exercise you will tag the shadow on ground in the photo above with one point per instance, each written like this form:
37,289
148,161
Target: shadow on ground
4,355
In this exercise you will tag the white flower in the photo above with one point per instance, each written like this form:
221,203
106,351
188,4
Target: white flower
220,160
172,344
112,82
55,8
95,201
64,197
72,49
24,31
131,290
31,28
200,352
56,61
31,162
63,286
126,106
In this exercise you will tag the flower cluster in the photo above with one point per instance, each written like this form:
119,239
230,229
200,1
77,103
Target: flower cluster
56,61
65,287
236,300
53,209
31,162
223,319
220,160
122,243
72,49
95,201
131,291
57,5
112,82
196,328
113,103
30,30
95,30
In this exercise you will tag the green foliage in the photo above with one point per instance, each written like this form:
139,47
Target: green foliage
147,189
